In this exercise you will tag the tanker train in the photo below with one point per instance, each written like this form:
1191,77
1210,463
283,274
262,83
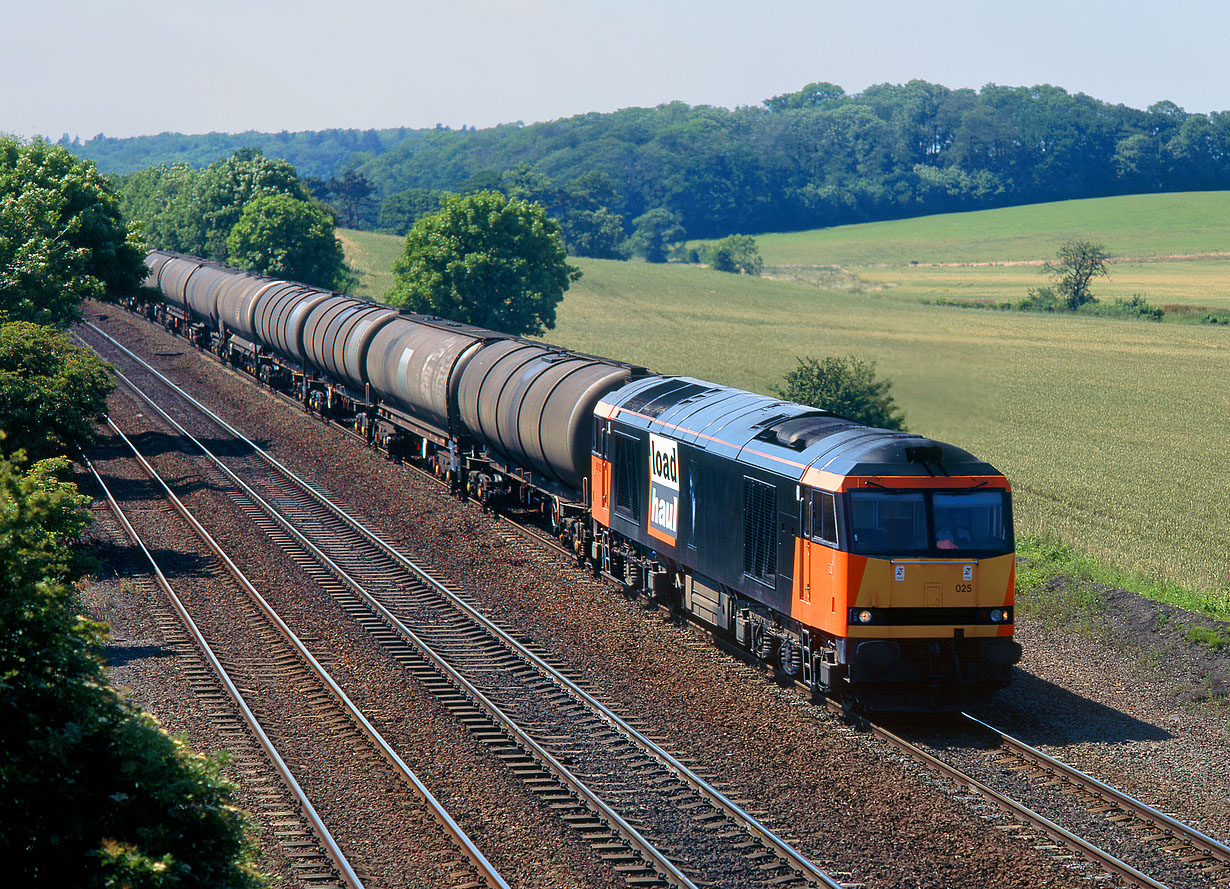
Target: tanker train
874,565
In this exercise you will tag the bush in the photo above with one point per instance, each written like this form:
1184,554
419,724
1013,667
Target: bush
92,792
1040,299
969,303
737,254
846,387
1134,307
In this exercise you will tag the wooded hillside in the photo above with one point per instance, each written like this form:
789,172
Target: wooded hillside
813,158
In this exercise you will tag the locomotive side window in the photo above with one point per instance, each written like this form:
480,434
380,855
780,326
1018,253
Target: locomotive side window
759,545
888,523
596,446
626,484
824,518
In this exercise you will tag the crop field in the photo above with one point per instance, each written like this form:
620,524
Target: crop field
372,255
1113,432
1188,282
1172,249
1132,226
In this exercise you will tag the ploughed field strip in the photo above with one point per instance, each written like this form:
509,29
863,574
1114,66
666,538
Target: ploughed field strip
269,693
1071,812
652,817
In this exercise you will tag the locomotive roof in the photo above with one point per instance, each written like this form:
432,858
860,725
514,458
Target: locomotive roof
780,436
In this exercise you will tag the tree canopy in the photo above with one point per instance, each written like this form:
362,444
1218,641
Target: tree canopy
485,259
51,391
401,210
61,235
816,157
284,237
845,386
656,232
737,254
280,227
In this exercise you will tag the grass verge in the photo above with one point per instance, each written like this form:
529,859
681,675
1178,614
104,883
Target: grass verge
1059,586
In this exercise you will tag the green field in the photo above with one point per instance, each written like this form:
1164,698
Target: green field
1135,225
1173,249
1114,433
372,255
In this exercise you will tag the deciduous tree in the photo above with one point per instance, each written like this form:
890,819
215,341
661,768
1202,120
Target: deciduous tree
225,188
401,210
737,254
845,386
1077,264
51,391
92,792
61,235
485,259
285,237
654,233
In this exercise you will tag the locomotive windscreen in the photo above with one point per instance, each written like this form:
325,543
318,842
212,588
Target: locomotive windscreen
888,523
938,524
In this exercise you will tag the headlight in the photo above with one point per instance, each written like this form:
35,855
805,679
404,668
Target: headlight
864,616
1001,615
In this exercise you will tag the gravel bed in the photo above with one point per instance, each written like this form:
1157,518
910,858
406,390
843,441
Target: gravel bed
150,665
855,806
375,820
974,752
1119,707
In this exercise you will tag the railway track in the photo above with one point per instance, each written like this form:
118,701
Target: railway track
1205,855
317,859
1206,858
302,835
655,819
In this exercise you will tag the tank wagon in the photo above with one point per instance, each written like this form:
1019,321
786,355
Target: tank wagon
872,564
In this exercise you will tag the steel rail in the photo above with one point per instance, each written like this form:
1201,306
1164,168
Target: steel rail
1089,851
1159,819
486,870
791,856
332,849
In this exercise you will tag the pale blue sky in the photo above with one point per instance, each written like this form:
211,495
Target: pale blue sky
127,67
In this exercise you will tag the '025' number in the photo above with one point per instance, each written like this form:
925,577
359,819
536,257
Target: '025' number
965,588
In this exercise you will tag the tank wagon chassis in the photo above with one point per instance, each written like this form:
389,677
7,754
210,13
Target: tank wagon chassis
852,574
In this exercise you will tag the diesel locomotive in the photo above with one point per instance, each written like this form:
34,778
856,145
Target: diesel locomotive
874,565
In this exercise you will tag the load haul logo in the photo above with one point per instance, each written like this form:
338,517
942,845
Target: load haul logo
663,488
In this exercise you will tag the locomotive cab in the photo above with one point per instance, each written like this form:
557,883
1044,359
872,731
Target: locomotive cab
910,582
